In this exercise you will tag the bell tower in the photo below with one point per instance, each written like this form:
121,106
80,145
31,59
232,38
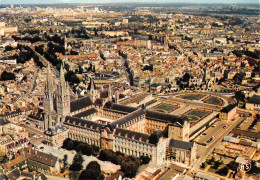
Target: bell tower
56,100
62,97
48,99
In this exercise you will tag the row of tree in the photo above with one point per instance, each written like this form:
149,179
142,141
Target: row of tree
129,164
81,147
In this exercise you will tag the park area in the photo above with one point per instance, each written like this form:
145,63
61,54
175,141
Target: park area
194,115
192,96
165,107
213,100
106,166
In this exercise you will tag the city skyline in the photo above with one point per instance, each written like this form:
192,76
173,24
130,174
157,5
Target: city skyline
123,1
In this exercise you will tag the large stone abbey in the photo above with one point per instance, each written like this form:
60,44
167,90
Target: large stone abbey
96,119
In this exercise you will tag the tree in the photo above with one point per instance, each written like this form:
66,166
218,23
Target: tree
211,161
216,164
68,144
70,76
103,155
202,165
240,95
3,157
77,162
145,159
92,172
186,77
129,167
223,171
5,76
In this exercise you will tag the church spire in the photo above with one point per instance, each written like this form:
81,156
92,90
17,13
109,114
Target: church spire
91,85
48,79
62,75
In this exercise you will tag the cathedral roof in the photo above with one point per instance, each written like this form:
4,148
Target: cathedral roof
80,104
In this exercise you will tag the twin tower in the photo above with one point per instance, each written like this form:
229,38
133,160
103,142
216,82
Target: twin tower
56,100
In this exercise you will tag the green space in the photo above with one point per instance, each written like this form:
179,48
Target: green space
166,108
192,96
214,100
129,164
198,113
192,118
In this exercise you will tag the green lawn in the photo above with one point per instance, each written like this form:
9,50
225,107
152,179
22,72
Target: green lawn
192,96
166,107
198,113
192,118
214,100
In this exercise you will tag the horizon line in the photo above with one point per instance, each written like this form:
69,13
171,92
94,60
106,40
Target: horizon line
129,3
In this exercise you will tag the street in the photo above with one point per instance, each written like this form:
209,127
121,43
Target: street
214,144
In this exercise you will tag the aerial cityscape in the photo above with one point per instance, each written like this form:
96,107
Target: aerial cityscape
119,90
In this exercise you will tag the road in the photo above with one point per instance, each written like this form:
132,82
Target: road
214,144
45,62
212,131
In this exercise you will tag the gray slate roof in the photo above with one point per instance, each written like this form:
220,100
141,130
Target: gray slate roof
128,117
80,104
255,99
82,123
228,108
181,144
154,115
86,113
132,135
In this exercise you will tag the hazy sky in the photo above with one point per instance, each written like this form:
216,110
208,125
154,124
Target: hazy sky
114,1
